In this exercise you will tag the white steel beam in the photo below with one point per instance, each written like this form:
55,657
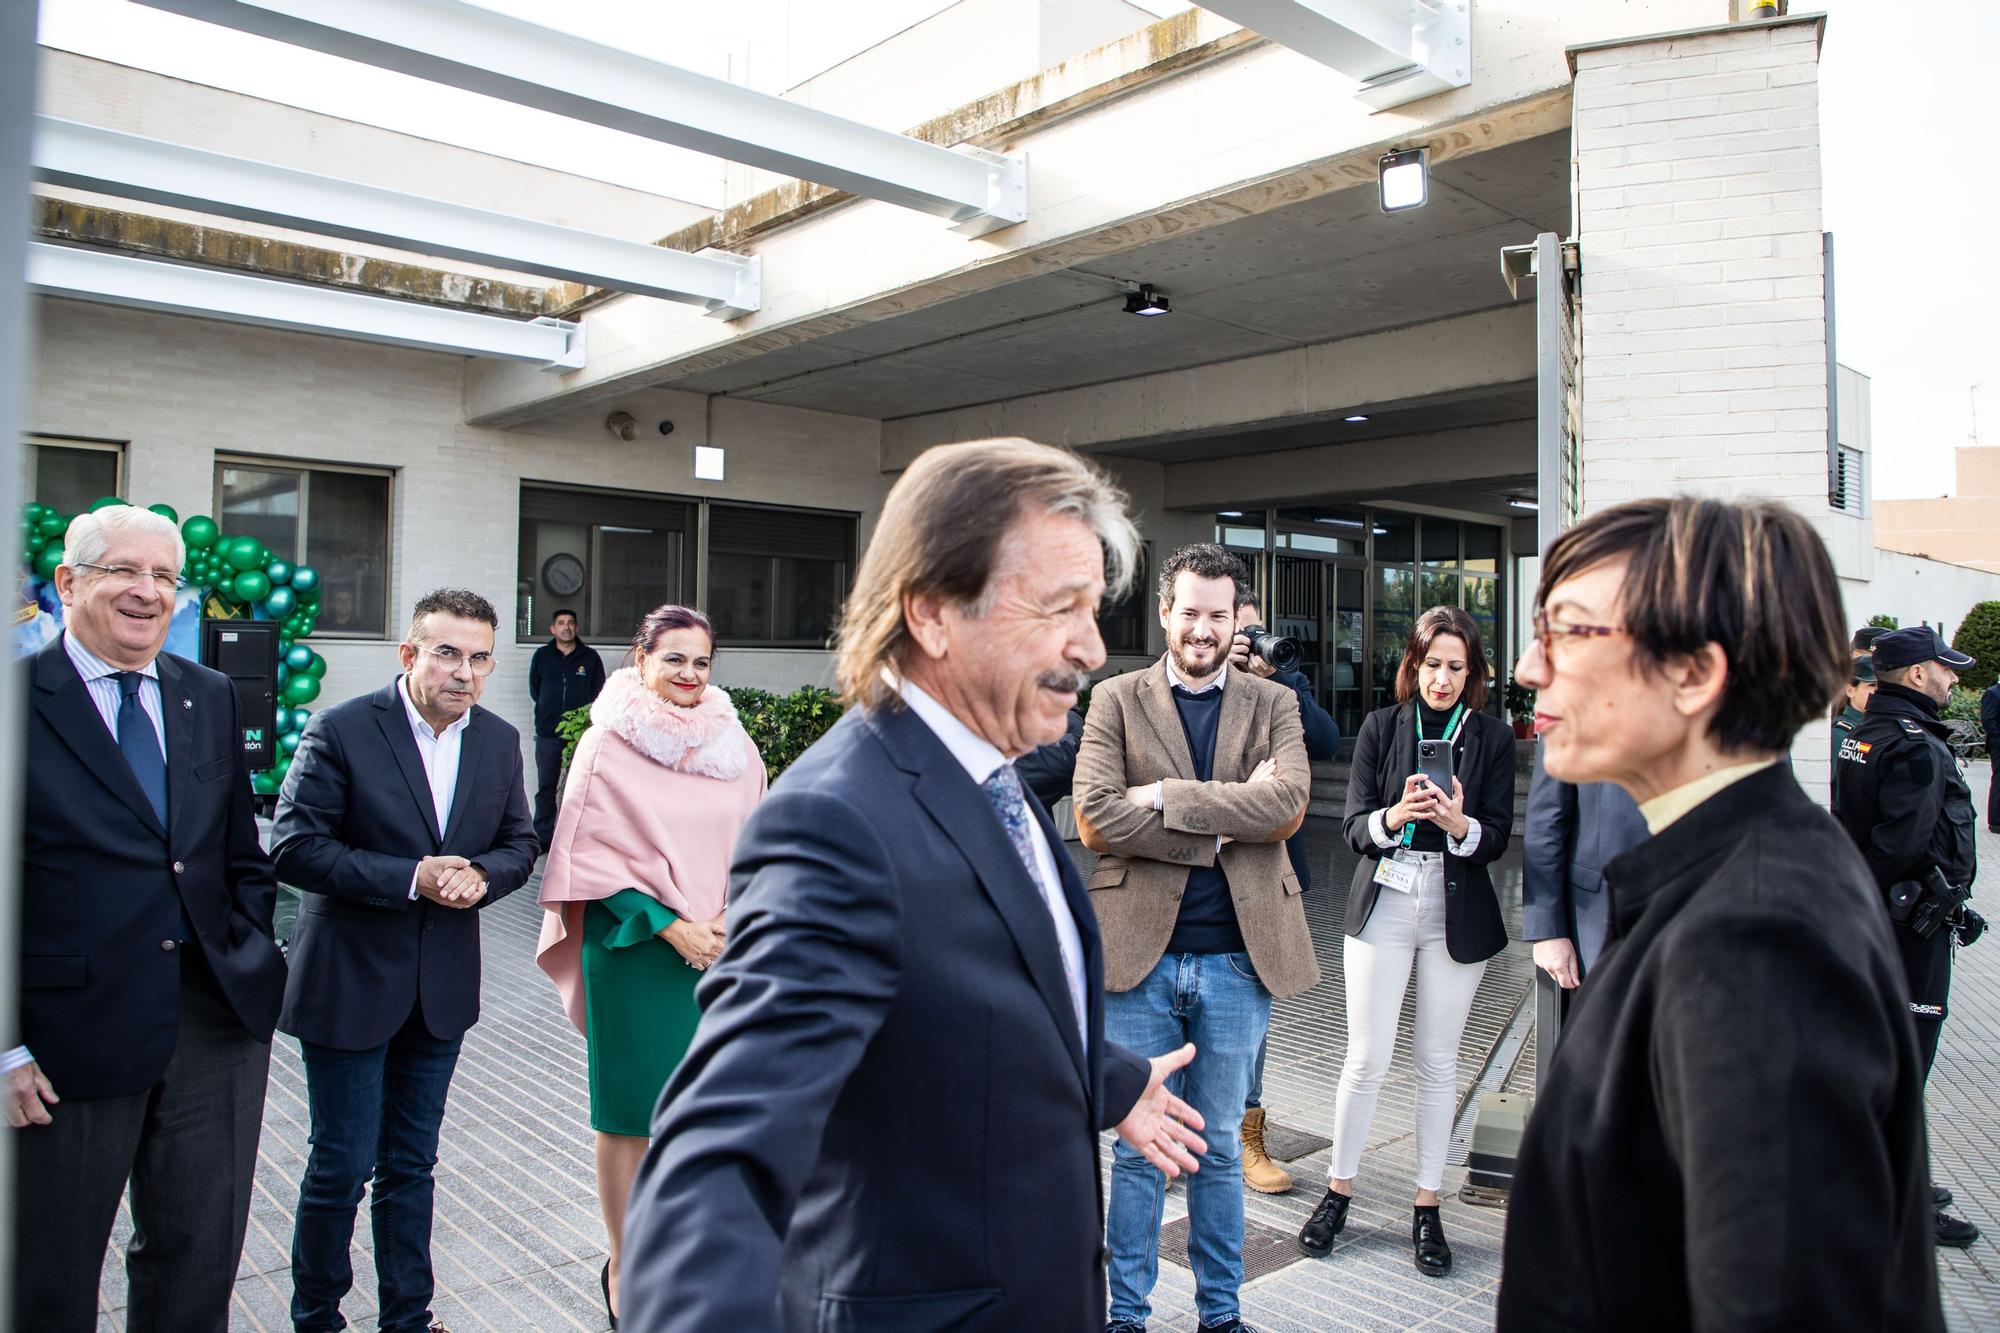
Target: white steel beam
1398,50
206,293
131,167
464,46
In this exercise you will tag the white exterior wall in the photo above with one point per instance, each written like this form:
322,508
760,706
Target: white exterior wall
180,391
1704,333
1914,589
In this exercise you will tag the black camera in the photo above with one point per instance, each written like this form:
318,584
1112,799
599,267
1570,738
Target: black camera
1969,925
1280,652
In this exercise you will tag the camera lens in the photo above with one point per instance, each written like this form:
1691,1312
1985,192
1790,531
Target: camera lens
1281,653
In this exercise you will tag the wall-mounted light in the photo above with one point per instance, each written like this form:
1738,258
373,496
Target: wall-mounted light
1515,502
1354,419
622,425
707,463
1146,301
1404,179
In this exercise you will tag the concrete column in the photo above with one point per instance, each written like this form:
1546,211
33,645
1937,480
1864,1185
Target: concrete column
1704,324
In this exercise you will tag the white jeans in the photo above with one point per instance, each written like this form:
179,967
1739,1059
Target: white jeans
1403,929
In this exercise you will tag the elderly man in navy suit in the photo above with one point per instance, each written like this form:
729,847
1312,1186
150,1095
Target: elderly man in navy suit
889,1116
149,979
403,812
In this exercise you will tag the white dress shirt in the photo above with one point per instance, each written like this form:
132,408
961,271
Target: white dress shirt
439,750
980,758
101,679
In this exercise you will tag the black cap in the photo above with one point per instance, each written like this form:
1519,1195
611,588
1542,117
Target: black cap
1863,672
1907,647
1864,638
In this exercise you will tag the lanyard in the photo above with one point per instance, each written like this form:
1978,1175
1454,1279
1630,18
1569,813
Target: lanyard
1452,726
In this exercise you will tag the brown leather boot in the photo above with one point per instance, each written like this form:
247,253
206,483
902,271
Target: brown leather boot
1260,1173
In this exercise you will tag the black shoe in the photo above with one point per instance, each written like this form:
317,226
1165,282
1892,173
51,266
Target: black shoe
1940,1197
1227,1326
1316,1236
1955,1232
1124,1326
604,1281
1433,1255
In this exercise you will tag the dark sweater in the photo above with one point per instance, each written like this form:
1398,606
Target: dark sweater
1207,921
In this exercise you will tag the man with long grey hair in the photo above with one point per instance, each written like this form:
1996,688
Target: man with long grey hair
889,1115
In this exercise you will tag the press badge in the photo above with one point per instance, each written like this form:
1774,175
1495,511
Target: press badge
1398,875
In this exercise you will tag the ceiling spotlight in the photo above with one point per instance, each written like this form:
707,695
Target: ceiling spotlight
1516,502
1355,418
1404,178
1146,301
1230,513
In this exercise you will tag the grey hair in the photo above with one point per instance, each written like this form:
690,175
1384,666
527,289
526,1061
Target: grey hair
90,535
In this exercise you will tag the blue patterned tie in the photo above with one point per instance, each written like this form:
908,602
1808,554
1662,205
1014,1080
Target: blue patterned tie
1003,788
141,744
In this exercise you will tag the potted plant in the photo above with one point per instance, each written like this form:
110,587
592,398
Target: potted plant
1520,701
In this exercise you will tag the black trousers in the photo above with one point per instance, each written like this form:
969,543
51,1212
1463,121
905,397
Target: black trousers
188,1147
548,770
1927,963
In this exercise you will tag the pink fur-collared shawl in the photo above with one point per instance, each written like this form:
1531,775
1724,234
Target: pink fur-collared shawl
655,797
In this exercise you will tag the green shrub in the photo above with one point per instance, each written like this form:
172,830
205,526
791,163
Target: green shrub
782,725
1963,706
1979,637
1884,622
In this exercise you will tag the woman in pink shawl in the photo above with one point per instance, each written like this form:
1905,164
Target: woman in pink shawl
636,878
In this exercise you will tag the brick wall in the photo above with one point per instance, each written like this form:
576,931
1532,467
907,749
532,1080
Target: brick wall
1698,213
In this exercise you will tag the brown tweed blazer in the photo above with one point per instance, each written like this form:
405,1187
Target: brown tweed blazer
1132,736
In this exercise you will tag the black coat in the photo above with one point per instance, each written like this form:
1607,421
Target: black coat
1901,796
1385,754
1732,1134
1322,742
886,1120
559,682
354,818
1571,834
103,886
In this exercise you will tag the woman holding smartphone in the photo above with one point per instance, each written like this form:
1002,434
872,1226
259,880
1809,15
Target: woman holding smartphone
1421,898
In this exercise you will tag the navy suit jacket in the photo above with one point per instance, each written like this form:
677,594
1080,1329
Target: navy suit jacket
354,818
1570,835
103,886
1322,742
886,1120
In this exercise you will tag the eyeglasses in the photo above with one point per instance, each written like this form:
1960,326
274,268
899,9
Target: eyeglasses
451,659
1548,634
164,579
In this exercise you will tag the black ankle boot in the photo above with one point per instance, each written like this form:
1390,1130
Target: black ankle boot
1316,1236
1433,1255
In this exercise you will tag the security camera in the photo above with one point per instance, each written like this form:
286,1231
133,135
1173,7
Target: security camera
623,425
666,428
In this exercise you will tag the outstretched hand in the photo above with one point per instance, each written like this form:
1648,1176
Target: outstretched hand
1162,1126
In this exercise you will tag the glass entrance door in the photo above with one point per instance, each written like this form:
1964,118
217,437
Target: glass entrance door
1346,674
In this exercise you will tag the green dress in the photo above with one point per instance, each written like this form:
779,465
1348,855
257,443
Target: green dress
639,1009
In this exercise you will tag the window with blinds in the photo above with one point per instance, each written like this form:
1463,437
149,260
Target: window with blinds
777,576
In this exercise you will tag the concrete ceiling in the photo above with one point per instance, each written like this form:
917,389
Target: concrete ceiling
1329,268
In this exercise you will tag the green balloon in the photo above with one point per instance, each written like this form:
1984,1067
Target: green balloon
251,586
288,742
200,532
311,625
300,716
264,784
165,511
104,502
279,570
51,524
305,578
242,553
279,603
47,559
301,689
298,657
317,667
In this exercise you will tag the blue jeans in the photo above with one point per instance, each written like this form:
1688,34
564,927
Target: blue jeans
1256,1095
1216,1002
374,1112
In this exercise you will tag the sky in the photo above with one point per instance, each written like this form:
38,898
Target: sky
1906,117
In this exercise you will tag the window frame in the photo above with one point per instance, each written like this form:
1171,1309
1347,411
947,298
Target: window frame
304,468
706,553
80,444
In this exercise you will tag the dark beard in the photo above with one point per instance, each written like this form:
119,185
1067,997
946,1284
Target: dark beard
1186,671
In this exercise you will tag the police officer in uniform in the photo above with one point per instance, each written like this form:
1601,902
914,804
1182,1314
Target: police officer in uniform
1854,707
1901,797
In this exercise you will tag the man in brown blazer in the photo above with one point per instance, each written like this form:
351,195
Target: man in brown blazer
1189,779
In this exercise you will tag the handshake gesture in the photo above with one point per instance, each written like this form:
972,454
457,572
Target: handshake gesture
450,881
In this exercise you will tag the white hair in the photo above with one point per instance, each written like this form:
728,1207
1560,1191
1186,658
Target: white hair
90,535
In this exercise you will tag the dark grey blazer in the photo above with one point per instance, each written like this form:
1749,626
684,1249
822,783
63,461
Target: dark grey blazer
1572,833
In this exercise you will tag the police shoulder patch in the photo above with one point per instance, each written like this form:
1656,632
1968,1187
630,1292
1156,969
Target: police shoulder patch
1910,727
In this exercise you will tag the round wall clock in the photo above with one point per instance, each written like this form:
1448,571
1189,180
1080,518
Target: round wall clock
562,574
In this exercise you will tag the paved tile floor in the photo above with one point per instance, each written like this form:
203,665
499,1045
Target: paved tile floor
519,1240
